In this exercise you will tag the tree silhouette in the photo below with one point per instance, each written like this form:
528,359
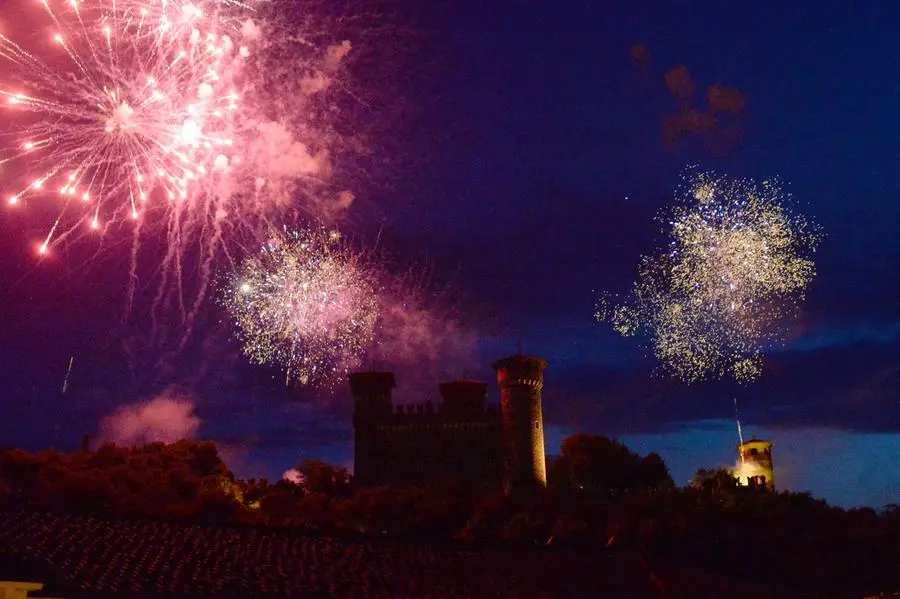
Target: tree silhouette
596,463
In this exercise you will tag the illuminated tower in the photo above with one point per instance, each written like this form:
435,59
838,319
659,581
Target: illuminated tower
754,464
520,379
371,405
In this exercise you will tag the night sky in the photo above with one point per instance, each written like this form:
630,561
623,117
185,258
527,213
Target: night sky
521,156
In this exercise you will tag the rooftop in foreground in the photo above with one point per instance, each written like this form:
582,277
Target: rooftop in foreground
84,557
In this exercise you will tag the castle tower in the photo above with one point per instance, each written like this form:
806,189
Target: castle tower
754,464
521,379
371,404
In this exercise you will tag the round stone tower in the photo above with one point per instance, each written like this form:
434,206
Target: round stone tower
521,379
754,464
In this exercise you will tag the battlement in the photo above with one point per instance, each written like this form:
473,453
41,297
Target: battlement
428,411
367,384
519,370
458,435
462,401
521,382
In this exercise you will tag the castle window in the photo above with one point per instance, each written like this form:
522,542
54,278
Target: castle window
537,426
754,451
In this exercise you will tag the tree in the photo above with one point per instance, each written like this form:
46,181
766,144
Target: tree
596,463
715,479
321,477
655,473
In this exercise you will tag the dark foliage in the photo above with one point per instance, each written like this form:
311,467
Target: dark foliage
605,504
596,463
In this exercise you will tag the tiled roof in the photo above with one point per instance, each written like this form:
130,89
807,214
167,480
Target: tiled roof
157,559
80,556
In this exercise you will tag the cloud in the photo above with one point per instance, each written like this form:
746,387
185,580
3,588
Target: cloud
725,99
280,155
852,387
422,338
294,476
250,30
322,80
681,85
686,122
414,333
718,126
169,417
278,162
639,53
335,54
315,83
641,61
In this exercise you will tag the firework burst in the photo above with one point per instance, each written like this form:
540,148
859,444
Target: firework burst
168,116
307,303
734,271
132,102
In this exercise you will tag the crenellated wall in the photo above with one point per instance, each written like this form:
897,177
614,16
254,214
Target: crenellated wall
405,444
461,436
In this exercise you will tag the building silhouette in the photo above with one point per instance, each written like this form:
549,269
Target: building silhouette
462,437
754,464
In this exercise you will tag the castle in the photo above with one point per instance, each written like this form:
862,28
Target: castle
754,466
462,437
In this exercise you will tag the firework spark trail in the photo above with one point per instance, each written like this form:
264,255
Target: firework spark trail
740,431
720,293
169,113
306,303
65,385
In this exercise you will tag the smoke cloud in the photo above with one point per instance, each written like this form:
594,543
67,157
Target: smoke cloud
250,30
640,59
639,54
335,54
280,163
282,156
322,80
416,333
293,476
423,340
718,126
168,418
681,86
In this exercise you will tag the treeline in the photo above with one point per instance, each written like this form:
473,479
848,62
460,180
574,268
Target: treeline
188,480
601,497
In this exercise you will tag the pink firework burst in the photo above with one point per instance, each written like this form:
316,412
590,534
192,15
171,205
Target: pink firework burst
166,115
126,104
